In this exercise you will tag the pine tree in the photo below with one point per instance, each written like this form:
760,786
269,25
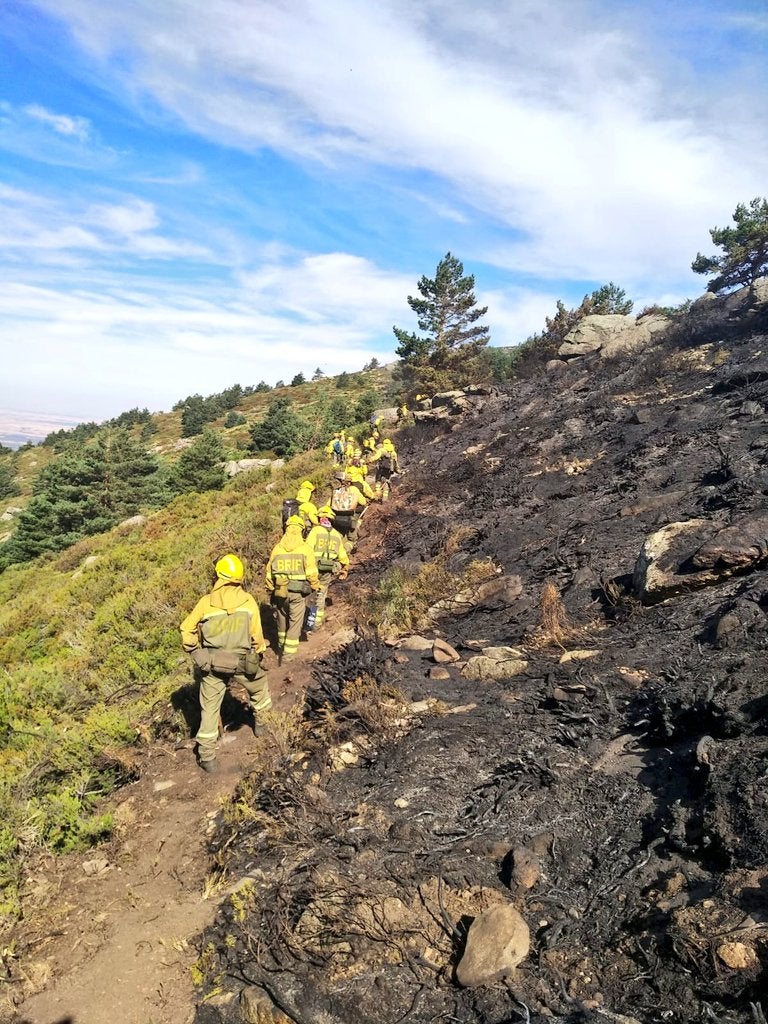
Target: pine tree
448,355
201,466
281,431
87,490
745,249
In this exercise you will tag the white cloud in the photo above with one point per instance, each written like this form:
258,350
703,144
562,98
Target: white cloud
537,115
151,343
68,230
64,124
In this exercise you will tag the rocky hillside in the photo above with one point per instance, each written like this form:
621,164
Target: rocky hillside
545,797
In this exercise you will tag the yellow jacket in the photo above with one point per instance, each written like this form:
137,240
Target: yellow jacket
329,544
356,476
294,558
227,617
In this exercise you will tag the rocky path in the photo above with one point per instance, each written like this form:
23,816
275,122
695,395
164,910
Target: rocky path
117,926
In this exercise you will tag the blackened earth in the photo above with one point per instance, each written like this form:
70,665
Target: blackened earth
636,780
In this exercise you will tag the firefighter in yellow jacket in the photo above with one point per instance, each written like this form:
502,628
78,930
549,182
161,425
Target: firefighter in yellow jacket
307,507
224,636
291,577
332,558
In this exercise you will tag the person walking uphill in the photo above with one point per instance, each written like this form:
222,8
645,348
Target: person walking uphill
291,576
224,636
332,558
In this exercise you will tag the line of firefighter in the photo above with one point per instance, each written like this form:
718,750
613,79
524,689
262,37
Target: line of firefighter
224,634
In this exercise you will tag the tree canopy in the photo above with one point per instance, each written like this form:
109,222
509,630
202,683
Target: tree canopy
447,355
745,248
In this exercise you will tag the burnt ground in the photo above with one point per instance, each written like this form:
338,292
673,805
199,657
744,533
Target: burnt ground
635,780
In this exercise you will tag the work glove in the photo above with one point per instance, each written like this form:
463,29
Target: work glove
343,574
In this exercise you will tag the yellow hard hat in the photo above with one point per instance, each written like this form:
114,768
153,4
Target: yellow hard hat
326,512
229,567
307,483
295,521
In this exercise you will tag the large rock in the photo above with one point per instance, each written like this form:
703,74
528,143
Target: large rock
243,465
736,547
495,663
496,593
687,556
498,940
388,415
610,333
656,576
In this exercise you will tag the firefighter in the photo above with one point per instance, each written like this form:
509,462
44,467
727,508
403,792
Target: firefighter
291,576
306,507
347,503
386,464
331,556
224,636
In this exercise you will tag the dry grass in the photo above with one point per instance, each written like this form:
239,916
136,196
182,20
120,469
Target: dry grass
554,626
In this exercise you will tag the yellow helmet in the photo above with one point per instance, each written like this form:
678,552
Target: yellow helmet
295,521
326,512
308,484
229,567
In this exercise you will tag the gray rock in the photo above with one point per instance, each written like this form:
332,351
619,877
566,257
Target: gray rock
10,513
257,1008
243,465
496,593
498,940
610,334
495,663
415,643
127,524
663,568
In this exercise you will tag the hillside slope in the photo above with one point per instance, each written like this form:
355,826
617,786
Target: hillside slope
601,766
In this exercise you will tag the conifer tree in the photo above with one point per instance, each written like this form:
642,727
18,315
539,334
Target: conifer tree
201,466
745,248
448,354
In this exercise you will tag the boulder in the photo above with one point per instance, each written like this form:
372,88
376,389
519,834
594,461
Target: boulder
687,556
655,575
496,593
443,653
388,415
10,513
738,546
495,663
128,524
243,465
415,643
446,398
609,334
257,1008
498,940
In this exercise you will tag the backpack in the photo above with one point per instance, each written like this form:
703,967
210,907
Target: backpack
338,447
290,508
386,462
345,499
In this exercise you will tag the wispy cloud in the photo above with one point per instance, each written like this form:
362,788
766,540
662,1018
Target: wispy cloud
64,124
269,180
160,340
69,230
540,118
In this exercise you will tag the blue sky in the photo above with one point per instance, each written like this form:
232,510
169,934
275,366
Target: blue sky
197,193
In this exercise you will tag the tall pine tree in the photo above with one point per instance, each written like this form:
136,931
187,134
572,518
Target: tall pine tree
448,355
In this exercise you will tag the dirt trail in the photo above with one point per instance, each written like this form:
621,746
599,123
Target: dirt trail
115,928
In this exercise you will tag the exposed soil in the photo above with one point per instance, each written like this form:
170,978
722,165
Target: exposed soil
112,933
618,797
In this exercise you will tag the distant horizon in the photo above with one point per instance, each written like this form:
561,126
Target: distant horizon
195,194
